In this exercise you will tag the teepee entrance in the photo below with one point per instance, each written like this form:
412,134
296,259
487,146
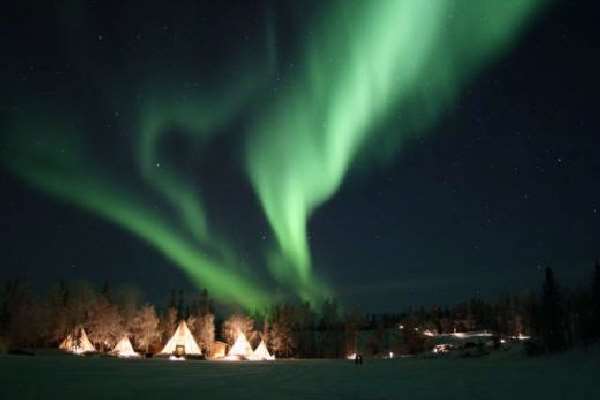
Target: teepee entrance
182,342
77,343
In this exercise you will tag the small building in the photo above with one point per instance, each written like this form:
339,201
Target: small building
218,349
241,349
77,342
124,349
181,343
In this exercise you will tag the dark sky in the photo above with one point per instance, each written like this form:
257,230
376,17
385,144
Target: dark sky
505,183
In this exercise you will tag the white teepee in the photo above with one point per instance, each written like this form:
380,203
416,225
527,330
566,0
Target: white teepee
77,345
124,348
182,337
262,353
241,348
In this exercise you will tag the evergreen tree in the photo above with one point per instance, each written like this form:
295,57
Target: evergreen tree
306,331
106,291
331,331
595,312
283,332
172,300
204,305
552,318
180,306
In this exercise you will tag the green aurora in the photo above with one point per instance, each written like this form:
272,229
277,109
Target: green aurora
364,64
58,166
368,61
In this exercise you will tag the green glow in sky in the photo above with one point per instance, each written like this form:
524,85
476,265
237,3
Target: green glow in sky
366,62
199,118
58,165
364,66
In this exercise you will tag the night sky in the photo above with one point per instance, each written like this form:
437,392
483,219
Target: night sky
188,145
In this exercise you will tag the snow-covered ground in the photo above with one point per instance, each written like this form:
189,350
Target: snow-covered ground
568,376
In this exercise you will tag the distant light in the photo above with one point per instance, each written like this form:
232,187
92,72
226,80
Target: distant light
157,165
401,326
502,341
351,356
442,348
391,354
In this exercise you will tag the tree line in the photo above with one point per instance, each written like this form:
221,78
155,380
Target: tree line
556,318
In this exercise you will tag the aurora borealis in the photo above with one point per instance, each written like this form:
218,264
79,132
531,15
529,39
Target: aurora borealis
154,115
357,71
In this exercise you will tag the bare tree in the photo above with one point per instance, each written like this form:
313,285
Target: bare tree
59,321
129,299
236,324
203,329
145,327
82,297
168,323
105,324
206,336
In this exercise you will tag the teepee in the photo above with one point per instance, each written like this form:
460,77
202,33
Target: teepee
76,344
241,348
124,348
182,337
262,353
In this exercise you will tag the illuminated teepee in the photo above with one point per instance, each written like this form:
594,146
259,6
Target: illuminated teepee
241,348
182,340
262,353
124,348
77,345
